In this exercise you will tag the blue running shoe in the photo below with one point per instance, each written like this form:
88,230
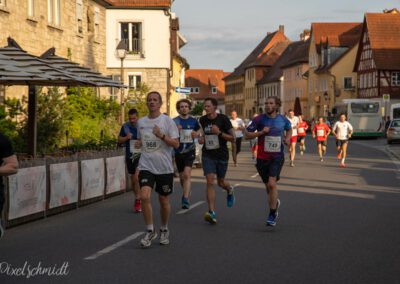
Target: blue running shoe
230,198
210,217
271,221
185,203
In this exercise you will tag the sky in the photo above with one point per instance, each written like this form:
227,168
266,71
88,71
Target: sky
221,33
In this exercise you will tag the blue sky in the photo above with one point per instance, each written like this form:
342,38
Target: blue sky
221,33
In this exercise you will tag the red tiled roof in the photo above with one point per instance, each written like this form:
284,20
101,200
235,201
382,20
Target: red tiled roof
384,35
337,34
141,3
205,79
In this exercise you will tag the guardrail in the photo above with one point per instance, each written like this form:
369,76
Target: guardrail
51,185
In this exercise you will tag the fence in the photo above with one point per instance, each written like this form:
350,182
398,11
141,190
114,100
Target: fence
51,185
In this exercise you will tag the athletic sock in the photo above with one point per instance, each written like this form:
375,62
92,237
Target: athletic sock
150,228
164,228
272,211
343,160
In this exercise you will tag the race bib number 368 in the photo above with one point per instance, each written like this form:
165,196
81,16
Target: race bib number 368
272,144
150,142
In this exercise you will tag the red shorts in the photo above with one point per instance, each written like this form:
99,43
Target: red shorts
293,139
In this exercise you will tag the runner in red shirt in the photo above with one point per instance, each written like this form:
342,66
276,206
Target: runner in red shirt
301,134
321,131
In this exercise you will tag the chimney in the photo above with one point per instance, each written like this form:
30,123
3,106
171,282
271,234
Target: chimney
305,35
282,29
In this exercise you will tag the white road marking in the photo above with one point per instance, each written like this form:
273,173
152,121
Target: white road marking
114,246
253,176
236,185
183,211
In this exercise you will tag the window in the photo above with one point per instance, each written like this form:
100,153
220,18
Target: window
214,90
131,34
364,107
31,8
79,15
54,14
348,83
96,22
114,91
134,81
396,78
3,3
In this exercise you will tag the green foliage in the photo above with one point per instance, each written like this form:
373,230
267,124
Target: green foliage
197,109
10,125
137,99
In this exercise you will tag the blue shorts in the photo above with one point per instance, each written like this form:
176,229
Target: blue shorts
270,168
218,167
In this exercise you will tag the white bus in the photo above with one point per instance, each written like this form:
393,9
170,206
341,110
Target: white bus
363,114
394,111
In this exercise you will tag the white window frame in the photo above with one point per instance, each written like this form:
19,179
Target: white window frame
214,90
395,78
130,30
54,12
31,8
135,83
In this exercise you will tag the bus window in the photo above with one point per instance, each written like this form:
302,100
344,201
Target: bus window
364,107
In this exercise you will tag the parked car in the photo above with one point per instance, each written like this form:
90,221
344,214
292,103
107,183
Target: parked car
393,131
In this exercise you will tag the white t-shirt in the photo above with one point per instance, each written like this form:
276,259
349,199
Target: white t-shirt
295,123
156,154
342,129
237,123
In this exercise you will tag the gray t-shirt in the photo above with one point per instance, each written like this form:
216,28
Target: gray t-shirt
156,154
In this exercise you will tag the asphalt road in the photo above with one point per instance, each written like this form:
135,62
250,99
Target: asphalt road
335,226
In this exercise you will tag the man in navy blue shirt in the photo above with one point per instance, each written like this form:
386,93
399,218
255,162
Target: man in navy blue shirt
128,137
185,154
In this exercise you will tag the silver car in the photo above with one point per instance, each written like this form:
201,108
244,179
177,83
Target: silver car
393,131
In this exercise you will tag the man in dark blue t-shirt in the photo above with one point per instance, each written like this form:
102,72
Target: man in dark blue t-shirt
128,137
8,166
185,154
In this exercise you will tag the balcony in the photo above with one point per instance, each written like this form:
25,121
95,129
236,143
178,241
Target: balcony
134,47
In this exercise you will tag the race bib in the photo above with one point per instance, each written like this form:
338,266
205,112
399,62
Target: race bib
272,144
320,132
211,141
150,142
132,147
185,136
301,130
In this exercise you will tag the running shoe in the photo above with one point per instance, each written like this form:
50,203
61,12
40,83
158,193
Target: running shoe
164,237
146,241
137,207
342,165
210,217
321,159
301,153
1,230
271,220
291,163
230,198
185,203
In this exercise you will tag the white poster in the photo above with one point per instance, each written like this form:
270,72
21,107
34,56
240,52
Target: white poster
92,178
27,192
64,184
116,178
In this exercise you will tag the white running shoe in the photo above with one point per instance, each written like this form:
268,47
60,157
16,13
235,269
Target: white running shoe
146,241
164,237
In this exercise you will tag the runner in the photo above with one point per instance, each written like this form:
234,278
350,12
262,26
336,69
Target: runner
217,131
158,134
301,134
8,166
185,154
239,127
270,129
128,136
342,131
294,120
321,131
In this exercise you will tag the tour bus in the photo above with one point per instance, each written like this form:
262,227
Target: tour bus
394,111
363,114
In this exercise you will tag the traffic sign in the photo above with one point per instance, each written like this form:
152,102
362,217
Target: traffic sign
183,90
386,97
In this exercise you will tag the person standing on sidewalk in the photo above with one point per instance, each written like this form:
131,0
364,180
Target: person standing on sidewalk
186,153
239,126
342,131
8,166
158,135
128,136
321,131
294,120
217,130
301,134
273,131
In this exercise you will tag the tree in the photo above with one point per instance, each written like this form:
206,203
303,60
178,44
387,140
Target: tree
198,109
137,99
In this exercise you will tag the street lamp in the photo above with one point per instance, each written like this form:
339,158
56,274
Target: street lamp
121,54
327,101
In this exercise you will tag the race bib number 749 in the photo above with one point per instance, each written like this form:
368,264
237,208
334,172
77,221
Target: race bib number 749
272,144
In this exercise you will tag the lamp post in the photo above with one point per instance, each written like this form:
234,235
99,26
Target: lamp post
327,101
121,54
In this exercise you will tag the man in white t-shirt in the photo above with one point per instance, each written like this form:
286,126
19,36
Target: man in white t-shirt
158,135
294,120
342,131
239,126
